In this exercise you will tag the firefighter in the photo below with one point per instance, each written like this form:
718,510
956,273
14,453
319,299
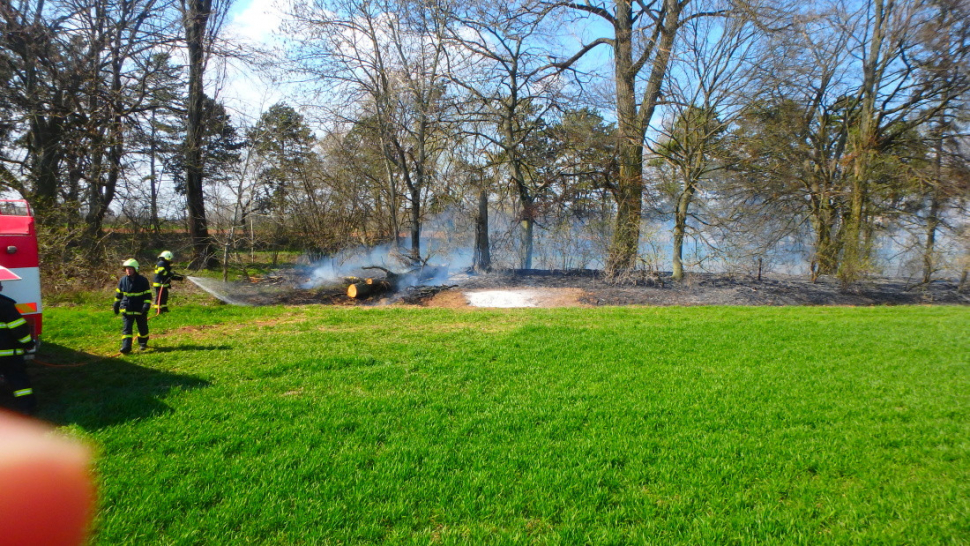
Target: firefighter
163,280
133,300
15,341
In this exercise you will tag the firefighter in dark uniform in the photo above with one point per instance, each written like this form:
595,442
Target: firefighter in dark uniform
15,341
133,300
163,280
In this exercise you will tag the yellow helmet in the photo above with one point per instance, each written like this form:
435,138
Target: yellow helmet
130,262
167,254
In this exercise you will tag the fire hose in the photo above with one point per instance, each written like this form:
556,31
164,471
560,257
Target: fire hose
49,365
158,303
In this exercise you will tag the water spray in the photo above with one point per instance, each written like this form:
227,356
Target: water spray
218,290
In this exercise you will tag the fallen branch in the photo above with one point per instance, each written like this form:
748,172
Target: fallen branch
392,281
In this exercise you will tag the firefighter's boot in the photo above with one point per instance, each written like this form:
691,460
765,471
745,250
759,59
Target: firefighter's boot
125,346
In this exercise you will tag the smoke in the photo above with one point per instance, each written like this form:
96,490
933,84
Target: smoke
445,249
437,271
351,263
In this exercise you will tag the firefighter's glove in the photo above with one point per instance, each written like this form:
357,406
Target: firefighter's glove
146,307
117,306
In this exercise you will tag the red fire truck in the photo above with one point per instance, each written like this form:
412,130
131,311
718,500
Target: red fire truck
18,253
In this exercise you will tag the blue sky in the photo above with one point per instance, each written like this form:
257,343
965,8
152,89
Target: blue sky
243,92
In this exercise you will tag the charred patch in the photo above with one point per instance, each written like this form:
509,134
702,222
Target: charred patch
377,285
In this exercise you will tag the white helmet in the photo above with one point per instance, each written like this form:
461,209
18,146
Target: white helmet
130,262
167,254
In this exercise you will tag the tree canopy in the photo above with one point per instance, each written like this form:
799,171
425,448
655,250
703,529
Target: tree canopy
677,135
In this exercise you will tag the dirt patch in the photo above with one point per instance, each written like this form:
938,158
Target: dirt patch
449,299
189,330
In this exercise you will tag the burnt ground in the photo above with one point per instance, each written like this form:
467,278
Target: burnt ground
545,288
719,289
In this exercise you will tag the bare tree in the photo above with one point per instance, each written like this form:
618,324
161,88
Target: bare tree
643,36
512,88
40,73
949,176
708,91
156,135
202,20
122,40
901,89
389,57
86,68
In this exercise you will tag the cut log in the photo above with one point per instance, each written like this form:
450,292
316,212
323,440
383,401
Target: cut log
392,281
368,287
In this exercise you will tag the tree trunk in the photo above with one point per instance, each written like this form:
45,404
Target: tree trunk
103,186
44,141
864,145
680,229
196,17
102,193
632,124
392,190
153,181
933,218
528,215
528,248
511,145
825,257
482,259
932,224
415,199
853,260
626,236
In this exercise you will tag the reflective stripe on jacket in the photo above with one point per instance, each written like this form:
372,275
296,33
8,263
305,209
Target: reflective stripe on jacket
163,273
15,336
133,292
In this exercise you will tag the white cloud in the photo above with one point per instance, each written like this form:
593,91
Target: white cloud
259,20
256,24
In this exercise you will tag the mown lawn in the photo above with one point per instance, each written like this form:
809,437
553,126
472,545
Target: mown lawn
316,425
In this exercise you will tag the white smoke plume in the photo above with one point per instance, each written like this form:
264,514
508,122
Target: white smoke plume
351,263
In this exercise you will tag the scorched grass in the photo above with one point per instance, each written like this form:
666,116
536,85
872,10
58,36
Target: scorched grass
316,425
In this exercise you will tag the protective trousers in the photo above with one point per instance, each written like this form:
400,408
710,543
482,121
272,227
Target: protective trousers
127,331
161,298
14,369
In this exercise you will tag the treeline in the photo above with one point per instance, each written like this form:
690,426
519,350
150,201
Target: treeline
670,134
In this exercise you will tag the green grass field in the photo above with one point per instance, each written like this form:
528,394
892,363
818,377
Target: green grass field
317,425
